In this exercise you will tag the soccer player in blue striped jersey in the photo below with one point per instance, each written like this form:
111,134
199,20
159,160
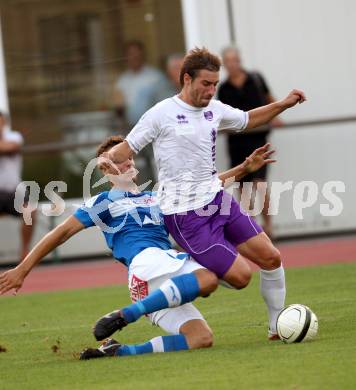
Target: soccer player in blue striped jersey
162,281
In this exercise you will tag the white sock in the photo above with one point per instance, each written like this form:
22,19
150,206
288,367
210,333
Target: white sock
157,344
273,290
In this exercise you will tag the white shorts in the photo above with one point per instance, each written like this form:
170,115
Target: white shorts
148,271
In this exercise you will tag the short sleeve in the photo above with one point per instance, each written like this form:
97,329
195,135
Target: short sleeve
145,131
93,211
14,136
233,118
121,82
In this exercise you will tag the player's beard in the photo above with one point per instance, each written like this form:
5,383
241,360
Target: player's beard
201,101
205,104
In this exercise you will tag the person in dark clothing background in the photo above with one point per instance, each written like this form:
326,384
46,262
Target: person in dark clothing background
247,90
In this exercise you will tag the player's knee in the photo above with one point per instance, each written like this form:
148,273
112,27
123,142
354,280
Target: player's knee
240,277
205,339
198,337
247,278
241,280
244,279
271,258
212,282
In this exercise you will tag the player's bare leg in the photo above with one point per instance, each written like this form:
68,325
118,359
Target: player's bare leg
208,281
239,274
197,333
261,251
193,334
186,330
26,235
172,293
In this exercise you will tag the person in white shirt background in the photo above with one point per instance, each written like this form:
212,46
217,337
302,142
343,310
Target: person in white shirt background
10,177
135,92
135,89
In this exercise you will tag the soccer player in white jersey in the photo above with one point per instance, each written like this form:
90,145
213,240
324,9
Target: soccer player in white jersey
203,219
162,281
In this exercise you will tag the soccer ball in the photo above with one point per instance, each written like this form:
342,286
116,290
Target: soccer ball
297,323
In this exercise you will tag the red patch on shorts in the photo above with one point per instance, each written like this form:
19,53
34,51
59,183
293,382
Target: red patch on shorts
138,289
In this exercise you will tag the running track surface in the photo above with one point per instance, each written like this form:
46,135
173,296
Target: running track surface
107,272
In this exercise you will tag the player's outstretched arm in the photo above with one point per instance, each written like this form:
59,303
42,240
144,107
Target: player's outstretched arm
14,278
9,147
262,115
120,153
252,163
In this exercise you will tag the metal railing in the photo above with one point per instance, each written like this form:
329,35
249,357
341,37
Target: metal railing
56,147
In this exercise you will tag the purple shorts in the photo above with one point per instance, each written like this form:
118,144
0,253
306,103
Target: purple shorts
212,233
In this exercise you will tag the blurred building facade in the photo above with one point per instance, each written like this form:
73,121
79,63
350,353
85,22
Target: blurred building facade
63,57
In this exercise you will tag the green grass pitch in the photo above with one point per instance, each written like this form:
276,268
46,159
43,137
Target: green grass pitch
43,334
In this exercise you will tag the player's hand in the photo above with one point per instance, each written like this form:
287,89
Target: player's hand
258,159
107,165
104,161
294,97
11,280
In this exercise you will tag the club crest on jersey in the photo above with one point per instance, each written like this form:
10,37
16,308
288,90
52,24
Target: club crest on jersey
182,119
208,115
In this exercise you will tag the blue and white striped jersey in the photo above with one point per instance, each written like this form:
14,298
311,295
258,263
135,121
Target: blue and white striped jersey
130,222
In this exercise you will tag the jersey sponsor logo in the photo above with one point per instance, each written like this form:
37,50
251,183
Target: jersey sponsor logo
142,211
182,119
138,289
128,205
208,115
149,200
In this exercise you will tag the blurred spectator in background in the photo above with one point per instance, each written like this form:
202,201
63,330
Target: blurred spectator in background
247,90
173,86
135,93
10,177
135,89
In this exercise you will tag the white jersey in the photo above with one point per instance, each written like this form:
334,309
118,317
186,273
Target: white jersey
10,165
184,146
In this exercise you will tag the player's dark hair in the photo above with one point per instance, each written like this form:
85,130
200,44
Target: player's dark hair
108,144
199,59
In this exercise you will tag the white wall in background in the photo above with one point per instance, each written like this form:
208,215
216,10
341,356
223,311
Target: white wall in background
205,23
4,105
295,44
304,44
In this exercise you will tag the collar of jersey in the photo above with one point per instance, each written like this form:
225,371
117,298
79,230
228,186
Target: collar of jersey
187,106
